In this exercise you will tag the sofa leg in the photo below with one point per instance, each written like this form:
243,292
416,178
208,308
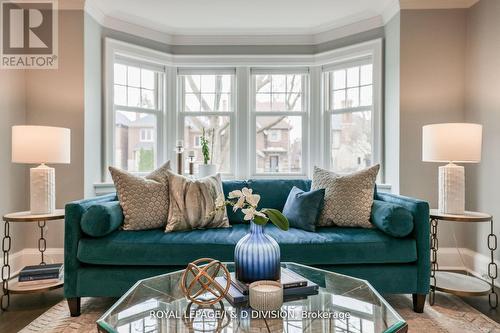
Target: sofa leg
418,302
74,306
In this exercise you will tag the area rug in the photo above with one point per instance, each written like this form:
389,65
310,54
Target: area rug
449,314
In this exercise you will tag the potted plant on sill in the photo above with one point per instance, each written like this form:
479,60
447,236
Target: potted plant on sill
257,255
207,169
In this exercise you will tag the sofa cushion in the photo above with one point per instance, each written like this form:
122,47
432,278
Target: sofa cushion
326,246
392,219
102,219
274,192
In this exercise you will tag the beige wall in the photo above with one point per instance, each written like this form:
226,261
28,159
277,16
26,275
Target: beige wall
55,97
432,90
483,106
13,196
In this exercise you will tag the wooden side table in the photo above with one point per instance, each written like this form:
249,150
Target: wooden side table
10,285
457,283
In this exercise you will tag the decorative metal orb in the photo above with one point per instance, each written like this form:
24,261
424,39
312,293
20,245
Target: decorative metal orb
198,281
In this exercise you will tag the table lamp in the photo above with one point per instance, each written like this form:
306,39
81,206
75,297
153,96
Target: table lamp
452,143
41,144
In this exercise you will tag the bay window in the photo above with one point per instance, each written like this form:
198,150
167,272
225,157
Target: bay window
263,116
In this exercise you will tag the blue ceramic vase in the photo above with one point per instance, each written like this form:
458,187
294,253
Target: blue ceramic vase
257,256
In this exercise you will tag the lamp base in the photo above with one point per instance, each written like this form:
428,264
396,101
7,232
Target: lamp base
42,190
451,189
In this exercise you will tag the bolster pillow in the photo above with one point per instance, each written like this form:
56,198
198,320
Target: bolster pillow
102,219
392,219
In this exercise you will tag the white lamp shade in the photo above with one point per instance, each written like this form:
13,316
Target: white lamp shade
41,144
452,142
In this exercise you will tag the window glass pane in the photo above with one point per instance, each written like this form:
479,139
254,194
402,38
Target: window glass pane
351,141
192,102
120,74
278,102
294,83
208,92
339,99
263,102
148,99
366,74
278,144
120,95
353,76
263,83
294,102
278,83
220,140
134,76
192,83
352,99
147,79
208,83
366,96
223,103
226,83
134,97
207,102
135,141
339,79
278,92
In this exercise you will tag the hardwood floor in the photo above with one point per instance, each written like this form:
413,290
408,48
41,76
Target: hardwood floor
26,308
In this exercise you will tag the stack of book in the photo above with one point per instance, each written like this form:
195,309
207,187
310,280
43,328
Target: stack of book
39,275
294,285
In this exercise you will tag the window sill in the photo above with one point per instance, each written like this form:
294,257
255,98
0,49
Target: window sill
106,188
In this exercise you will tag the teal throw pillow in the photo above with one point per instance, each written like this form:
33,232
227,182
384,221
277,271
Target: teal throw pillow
392,219
102,219
302,208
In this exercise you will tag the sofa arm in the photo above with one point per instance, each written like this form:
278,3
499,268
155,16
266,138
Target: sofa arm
72,234
420,212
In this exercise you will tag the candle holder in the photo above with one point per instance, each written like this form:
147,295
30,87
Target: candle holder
179,150
265,295
191,159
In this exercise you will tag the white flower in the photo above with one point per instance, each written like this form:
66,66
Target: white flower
235,194
252,199
250,213
239,204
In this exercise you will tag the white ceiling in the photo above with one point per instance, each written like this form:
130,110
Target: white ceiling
232,17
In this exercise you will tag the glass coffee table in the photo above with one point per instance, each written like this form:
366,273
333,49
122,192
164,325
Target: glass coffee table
343,304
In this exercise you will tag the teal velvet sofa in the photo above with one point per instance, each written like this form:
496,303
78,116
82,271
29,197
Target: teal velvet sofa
110,265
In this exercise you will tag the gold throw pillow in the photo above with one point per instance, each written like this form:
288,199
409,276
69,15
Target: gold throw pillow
348,198
144,200
192,203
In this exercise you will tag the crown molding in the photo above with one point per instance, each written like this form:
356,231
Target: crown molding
436,4
318,35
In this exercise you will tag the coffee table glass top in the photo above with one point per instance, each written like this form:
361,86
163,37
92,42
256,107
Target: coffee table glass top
343,304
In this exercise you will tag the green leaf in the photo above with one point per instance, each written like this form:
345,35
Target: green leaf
277,218
260,220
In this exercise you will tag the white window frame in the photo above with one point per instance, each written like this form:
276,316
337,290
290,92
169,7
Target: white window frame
315,143
181,114
304,114
146,135
372,55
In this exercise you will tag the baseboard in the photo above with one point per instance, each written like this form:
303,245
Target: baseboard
448,258
475,263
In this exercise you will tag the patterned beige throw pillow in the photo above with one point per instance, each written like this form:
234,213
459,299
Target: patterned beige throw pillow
193,201
348,198
144,200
